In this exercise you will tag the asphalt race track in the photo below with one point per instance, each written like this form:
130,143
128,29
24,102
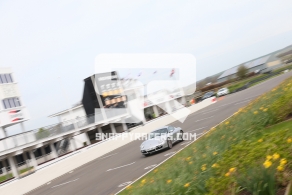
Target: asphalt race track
107,174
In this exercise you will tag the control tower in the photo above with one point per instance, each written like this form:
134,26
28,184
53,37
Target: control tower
12,109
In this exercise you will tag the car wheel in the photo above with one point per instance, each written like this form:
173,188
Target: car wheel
169,143
146,155
181,138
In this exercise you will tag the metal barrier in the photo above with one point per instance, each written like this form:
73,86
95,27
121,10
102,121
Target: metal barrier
248,84
49,131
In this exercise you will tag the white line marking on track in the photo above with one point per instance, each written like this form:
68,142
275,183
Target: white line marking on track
242,102
172,155
121,166
65,183
198,129
209,111
108,156
185,143
125,184
151,166
169,153
204,119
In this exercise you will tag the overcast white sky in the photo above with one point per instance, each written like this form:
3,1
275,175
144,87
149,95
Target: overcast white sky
42,40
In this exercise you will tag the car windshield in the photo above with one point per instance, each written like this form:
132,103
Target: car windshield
222,89
157,133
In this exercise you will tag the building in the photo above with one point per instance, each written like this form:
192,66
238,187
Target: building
161,102
101,99
103,103
12,109
263,64
12,112
286,55
108,105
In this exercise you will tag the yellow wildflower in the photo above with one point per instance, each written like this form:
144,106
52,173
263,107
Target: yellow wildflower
227,122
189,158
267,164
289,140
231,170
203,167
215,165
155,170
276,156
143,181
215,153
261,108
169,181
280,168
265,110
283,161
269,157
187,185
227,174
190,162
255,112
260,140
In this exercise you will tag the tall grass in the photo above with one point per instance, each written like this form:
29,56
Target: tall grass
216,163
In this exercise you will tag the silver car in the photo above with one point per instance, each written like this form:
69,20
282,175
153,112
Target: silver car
160,139
223,91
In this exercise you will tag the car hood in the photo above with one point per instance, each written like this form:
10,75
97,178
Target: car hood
151,143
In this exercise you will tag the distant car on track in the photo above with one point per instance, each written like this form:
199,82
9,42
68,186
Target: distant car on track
285,71
160,139
208,95
223,91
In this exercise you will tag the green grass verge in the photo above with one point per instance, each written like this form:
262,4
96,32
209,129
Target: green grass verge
264,80
5,177
9,176
289,66
250,152
25,170
241,83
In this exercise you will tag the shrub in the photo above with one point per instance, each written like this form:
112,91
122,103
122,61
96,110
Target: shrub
42,133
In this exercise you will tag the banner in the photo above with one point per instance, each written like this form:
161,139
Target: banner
14,115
